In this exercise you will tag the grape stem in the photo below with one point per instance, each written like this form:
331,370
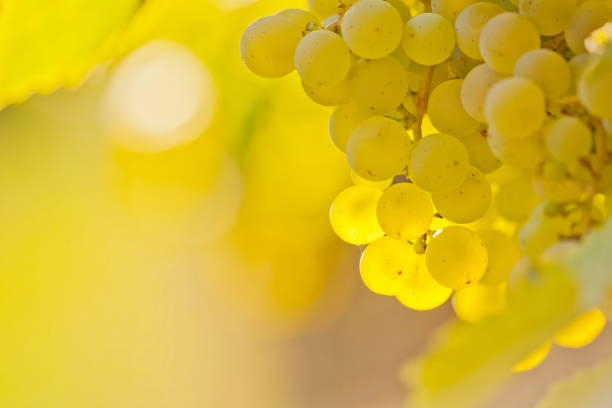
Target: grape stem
421,103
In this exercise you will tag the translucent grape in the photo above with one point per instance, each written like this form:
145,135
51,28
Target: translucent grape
301,18
456,257
439,163
533,359
387,265
515,199
404,211
469,24
588,17
475,88
343,121
503,254
547,69
322,58
446,110
378,85
506,37
449,9
515,107
550,16
480,152
353,215
568,139
378,148
328,95
595,86
360,181
323,8
477,302
429,39
468,202
524,153
582,330
372,28
422,291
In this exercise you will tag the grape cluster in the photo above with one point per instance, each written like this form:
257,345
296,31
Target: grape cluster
478,133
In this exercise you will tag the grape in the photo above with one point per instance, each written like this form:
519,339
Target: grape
568,139
556,185
422,291
360,181
589,16
461,64
515,199
404,211
268,44
456,257
343,121
446,111
301,18
372,28
524,153
378,85
322,58
550,16
547,69
328,95
429,39
469,24
506,37
378,148
387,266
503,254
533,359
439,163
449,9
323,8
480,152
515,107
353,215
475,88
595,86
477,302
468,202
582,330
577,66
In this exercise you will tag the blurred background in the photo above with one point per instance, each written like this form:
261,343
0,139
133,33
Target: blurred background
164,233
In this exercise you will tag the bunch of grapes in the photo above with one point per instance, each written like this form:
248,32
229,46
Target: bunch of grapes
478,133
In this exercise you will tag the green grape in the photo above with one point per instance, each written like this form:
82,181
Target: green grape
461,63
353,215
439,163
456,257
378,85
360,181
423,292
577,66
450,9
446,111
547,69
378,148
506,37
468,202
515,199
568,139
268,44
550,16
405,211
478,302
429,39
515,107
323,8
328,95
469,24
503,252
480,152
372,28
475,88
300,17
595,86
387,266
343,121
322,58
524,153
588,17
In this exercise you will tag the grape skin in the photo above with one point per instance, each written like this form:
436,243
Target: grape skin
404,211
343,121
423,292
429,39
550,16
469,24
568,139
322,59
589,16
446,110
480,152
353,215
475,88
547,69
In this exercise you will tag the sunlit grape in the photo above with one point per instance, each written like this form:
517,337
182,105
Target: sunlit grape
515,199
322,58
588,17
405,211
446,110
429,39
550,16
343,121
422,291
469,24
547,69
475,88
480,152
353,215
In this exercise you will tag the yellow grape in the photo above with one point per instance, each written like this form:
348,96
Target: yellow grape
547,69
577,66
506,37
403,8
557,185
372,28
533,359
595,86
299,17
469,24
353,215
429,39
378,148
378,86
322,58
328,95
504,253
449,9
456,257
582,330
387,265
323,8
343,121
466,203
404,211
477,302
475,88
568,139
480,152
515,199
360,181
446,111
515,107
423,292
550,16
588,17
439,163
524,154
